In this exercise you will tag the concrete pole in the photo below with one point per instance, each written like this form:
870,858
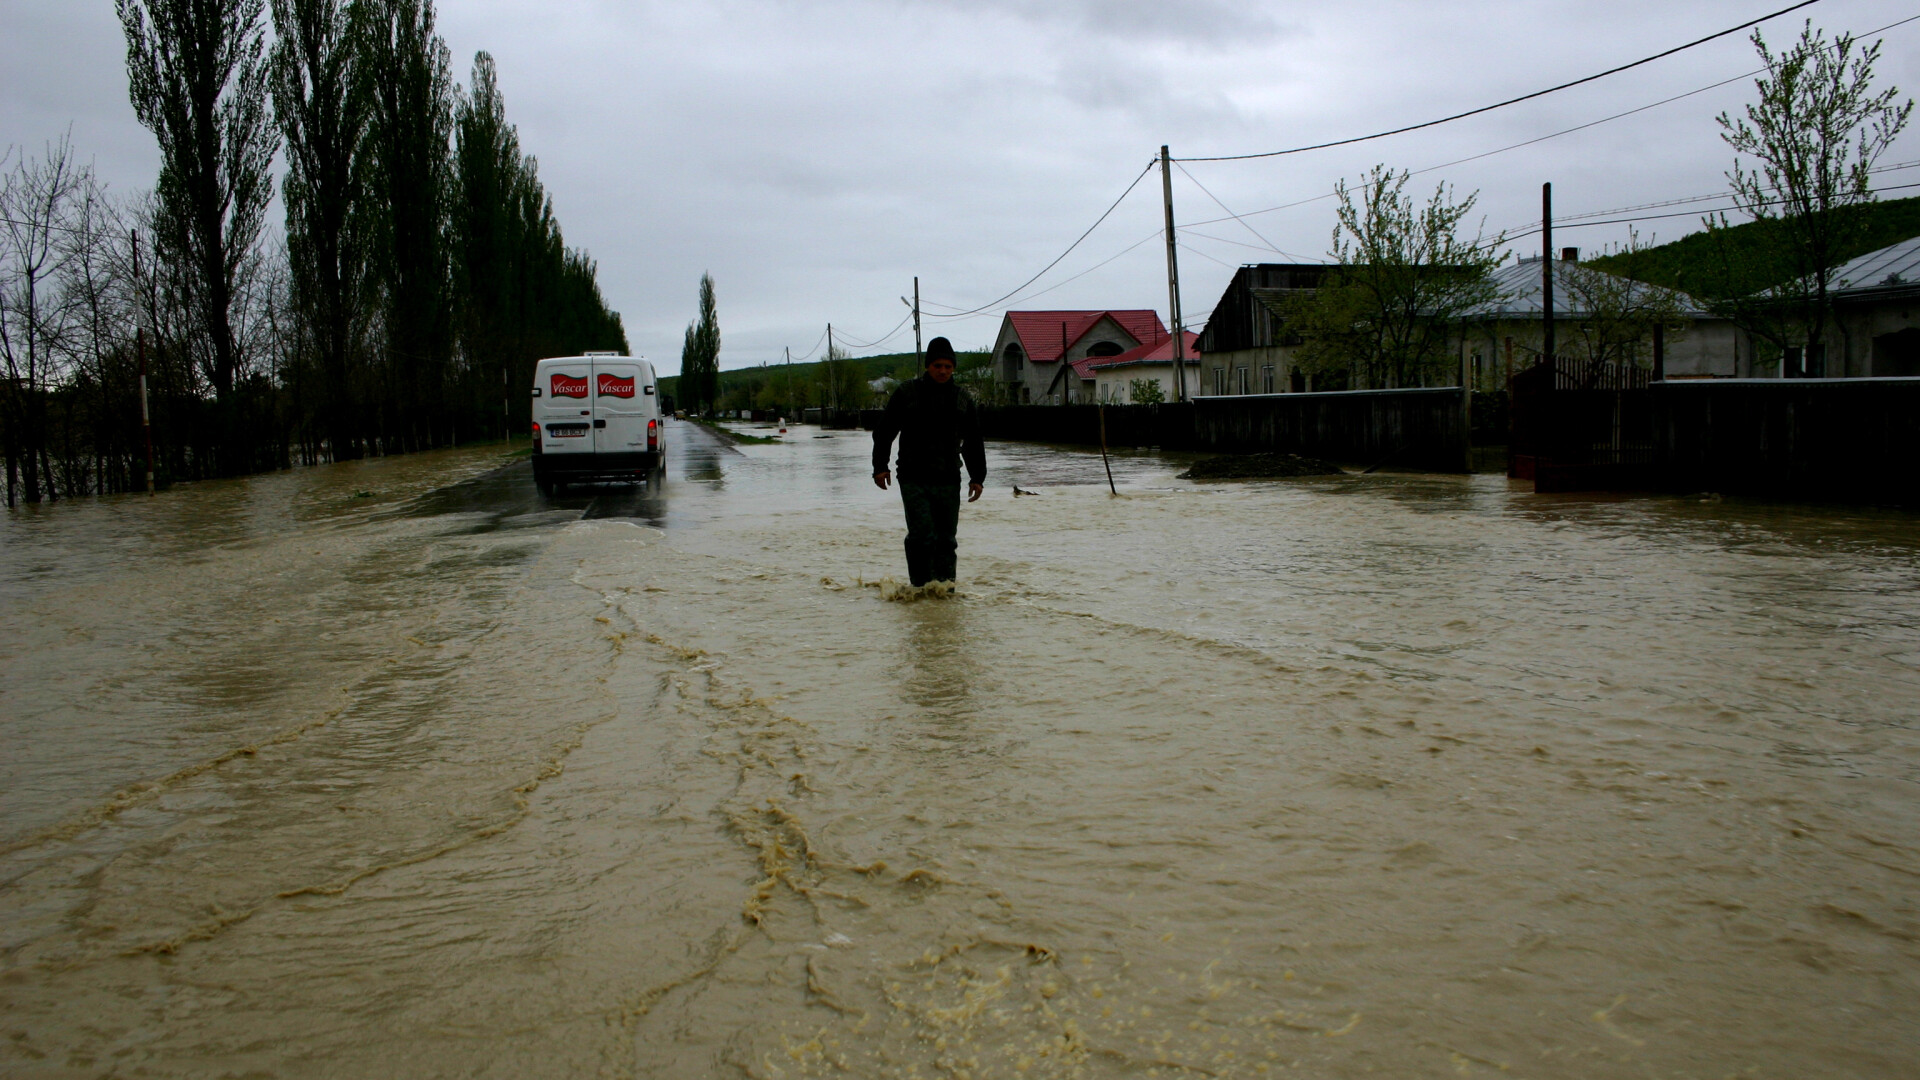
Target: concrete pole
1547,350
1173,280
140,347
919,356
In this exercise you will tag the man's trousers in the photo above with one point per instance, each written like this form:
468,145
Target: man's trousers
933,519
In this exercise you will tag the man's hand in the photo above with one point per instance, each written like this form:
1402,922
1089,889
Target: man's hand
880,479
973,492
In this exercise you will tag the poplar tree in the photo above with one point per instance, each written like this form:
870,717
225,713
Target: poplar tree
197,75
322,102
700,353
410,132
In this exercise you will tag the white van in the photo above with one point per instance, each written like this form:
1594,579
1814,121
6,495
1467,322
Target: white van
596,417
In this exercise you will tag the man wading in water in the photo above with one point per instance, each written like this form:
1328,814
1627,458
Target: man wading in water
938,424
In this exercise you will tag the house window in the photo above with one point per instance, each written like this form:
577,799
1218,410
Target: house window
1220,381
1246,380
1104,348
1266,379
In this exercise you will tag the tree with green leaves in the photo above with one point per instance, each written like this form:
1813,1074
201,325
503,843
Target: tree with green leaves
197,74
700,354
323,101
409,160
1384,318
1815,132
842,380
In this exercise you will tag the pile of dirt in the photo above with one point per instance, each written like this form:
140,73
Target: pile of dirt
1259,467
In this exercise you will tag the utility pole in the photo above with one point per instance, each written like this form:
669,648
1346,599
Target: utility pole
140,347
1547,350
1173,280
919,357
833,391
787,365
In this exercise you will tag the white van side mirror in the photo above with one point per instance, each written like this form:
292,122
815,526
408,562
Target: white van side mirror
648,390
536,391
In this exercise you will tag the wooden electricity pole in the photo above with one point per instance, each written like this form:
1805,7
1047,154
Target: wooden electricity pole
919,357
1173,280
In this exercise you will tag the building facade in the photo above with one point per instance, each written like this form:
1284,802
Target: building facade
1116,379
1042,357
1247,346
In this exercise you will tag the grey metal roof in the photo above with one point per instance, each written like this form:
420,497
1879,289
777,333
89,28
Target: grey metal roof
1893,266
1519,287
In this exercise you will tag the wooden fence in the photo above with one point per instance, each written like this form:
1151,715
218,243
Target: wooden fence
1854,440
1420,429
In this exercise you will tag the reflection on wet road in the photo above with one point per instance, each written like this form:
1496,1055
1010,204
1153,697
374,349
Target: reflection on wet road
399,768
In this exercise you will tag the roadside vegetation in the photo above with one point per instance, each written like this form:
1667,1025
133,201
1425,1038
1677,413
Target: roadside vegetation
422,272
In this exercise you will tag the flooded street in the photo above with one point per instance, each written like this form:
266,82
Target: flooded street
398,769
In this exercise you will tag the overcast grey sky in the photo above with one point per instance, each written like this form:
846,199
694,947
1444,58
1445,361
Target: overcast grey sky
814,155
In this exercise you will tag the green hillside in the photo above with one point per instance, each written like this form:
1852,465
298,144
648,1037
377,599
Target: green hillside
803,384
1741,260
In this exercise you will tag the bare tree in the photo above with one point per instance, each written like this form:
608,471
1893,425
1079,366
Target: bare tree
36,310
98,283
1816,131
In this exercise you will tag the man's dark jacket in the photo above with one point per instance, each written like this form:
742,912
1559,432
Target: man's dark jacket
938,424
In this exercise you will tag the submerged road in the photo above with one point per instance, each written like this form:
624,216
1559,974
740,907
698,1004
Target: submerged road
397,768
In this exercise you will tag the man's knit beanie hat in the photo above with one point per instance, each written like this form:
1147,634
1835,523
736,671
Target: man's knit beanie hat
939,349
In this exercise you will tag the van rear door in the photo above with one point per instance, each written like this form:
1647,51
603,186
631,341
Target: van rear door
621,405
565,406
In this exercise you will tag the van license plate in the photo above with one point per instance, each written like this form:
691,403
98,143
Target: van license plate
567,431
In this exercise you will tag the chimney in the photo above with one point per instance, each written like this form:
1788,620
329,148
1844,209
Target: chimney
1570,254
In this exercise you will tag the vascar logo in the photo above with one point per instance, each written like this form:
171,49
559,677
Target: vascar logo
568,386
614,386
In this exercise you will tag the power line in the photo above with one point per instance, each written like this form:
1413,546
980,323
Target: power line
1209,258
1244,223
1709,198
1070,247
1515,100
881,338
1558,223
1563,131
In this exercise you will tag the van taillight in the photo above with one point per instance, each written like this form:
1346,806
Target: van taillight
653,435
536,438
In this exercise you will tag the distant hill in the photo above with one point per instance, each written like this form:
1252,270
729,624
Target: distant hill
872,367
1699,264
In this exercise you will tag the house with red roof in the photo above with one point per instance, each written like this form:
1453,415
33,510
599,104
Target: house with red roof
1045,356
1116,378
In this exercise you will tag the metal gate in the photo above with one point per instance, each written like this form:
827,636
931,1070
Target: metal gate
1581,426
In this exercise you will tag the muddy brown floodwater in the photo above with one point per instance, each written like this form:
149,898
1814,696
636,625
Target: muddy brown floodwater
398,769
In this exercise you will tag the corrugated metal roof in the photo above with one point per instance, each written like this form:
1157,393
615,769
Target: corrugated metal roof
1046,335
1519,286
1892,266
